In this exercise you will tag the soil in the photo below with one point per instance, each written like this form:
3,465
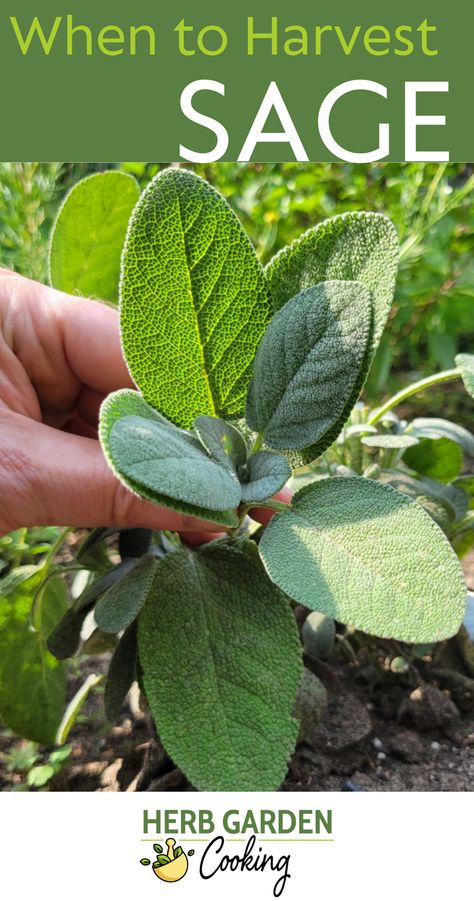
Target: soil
380,731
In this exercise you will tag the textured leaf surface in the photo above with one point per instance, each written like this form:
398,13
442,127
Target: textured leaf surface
224,715
121,674
437,458
267,474
356,246
223,441
164,463
194,301
119,606
32,681
369,556
100,585
425,427
390,442
64,640
466,365
89,235
308,363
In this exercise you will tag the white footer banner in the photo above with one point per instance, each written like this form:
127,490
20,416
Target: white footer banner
177,846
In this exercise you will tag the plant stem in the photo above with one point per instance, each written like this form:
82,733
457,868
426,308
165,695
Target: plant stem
257,443
447,376
55,547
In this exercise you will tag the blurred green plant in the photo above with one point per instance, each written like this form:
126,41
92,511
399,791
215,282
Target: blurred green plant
28,192
35,768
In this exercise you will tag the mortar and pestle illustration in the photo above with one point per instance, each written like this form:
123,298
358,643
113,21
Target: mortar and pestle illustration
172,866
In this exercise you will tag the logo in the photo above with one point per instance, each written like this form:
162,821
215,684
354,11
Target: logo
170,867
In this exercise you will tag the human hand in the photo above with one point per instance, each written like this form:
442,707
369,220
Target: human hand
59,357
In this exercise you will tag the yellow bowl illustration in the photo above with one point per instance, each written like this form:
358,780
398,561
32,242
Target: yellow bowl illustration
174,870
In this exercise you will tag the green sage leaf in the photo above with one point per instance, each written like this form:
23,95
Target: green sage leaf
102,584
308,363
224,715
194,301
355,246
390,442
366,555
164,463
424,427
466,365
267,473
437,458
452,498
121,675
65,639
223,441
89,233
119,606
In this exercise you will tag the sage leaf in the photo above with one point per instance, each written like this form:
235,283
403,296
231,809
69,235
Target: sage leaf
437,458
223,441
102,584
65,639
390,442
451,497
466,365
224,714
355,246
163,463
267,473
89,233
194,295
32,681
119,606
432,427
121,674
367,555
308,363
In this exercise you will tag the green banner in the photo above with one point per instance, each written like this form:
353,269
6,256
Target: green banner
246,81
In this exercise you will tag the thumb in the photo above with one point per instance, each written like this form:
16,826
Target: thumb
50,477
